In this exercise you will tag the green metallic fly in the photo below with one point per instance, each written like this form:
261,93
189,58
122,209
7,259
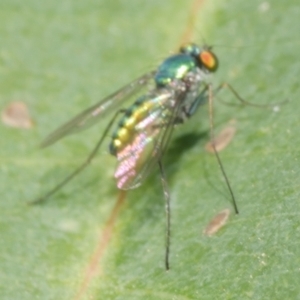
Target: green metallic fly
163,98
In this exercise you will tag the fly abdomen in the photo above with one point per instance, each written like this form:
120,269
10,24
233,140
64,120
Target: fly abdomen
127,126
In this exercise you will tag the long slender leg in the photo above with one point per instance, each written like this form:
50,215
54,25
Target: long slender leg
210,104
81,167
168,213
243,101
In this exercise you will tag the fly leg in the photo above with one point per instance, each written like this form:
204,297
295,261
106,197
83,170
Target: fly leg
210,105
168,213
242,100
81,167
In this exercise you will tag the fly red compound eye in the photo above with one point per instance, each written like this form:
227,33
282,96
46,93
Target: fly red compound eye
209,60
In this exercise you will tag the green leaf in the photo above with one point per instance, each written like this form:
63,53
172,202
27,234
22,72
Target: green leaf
59,57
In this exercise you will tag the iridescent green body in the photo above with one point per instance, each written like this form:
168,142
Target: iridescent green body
174,67
143,130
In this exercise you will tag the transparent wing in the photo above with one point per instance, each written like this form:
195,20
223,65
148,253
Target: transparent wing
95,113
150,141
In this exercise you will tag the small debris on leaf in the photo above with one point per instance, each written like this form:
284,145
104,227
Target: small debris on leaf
222,140
217,222
16,115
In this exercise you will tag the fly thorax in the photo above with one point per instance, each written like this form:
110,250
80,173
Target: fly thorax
174,68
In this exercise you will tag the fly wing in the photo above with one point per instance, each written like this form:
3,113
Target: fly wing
150,140
95,113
